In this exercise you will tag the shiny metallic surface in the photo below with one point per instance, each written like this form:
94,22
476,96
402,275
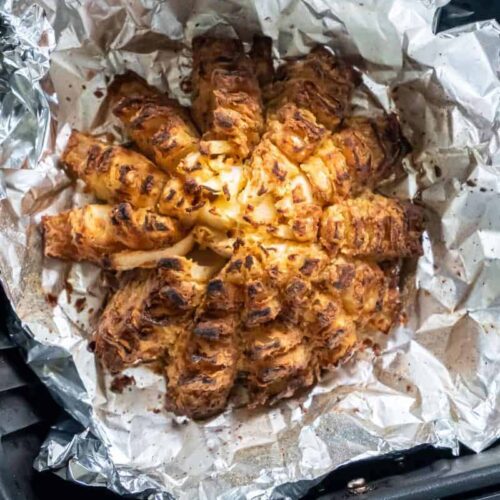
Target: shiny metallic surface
437,377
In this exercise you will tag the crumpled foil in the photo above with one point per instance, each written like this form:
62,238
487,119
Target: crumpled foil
436,379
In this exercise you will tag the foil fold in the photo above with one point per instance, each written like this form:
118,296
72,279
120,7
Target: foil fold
437,378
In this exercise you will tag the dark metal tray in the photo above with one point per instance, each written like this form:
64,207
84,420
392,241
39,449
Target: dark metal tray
27,411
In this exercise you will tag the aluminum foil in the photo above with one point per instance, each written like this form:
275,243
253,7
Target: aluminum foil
436,379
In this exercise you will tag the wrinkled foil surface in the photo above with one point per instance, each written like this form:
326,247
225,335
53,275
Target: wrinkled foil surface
436,379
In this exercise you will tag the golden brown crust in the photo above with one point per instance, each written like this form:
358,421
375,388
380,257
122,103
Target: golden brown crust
373,226
273,319
93,232
159,126
144,318
204,360
373,148
290,211
226,97
278,198
317,82
113,173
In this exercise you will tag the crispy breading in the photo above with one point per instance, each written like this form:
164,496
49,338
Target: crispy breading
113,173
278,197
373,148
204,360
307,257
226,97
274,318
146,315
373,226
94,232
206,193
159,126
318,82
311,147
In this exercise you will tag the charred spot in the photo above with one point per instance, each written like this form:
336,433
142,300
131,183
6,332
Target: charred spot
51,299
215,286
262,190
259,314
268,374
280,174
193,168
119,383
170,263
296,287
273,271
197,206
188,378
223,120
147,184
170,195
191,186
258,352
198,357
174,297
106,262
93,156
235,266
309,266
248,262
161,136
104,161
253,289
124,170
80,304
121,213
158,226
208,330
346,275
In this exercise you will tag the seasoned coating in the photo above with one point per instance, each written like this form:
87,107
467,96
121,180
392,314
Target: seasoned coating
273,319
146,315
373,226
159,126
204,361
301,313
311,147
261,55
277,362
303,256
373,148
113,173
93,232
207,175
318,82
207,193
226,97
278,197
299,167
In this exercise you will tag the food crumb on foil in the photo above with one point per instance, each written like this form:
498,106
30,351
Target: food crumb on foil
446,92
